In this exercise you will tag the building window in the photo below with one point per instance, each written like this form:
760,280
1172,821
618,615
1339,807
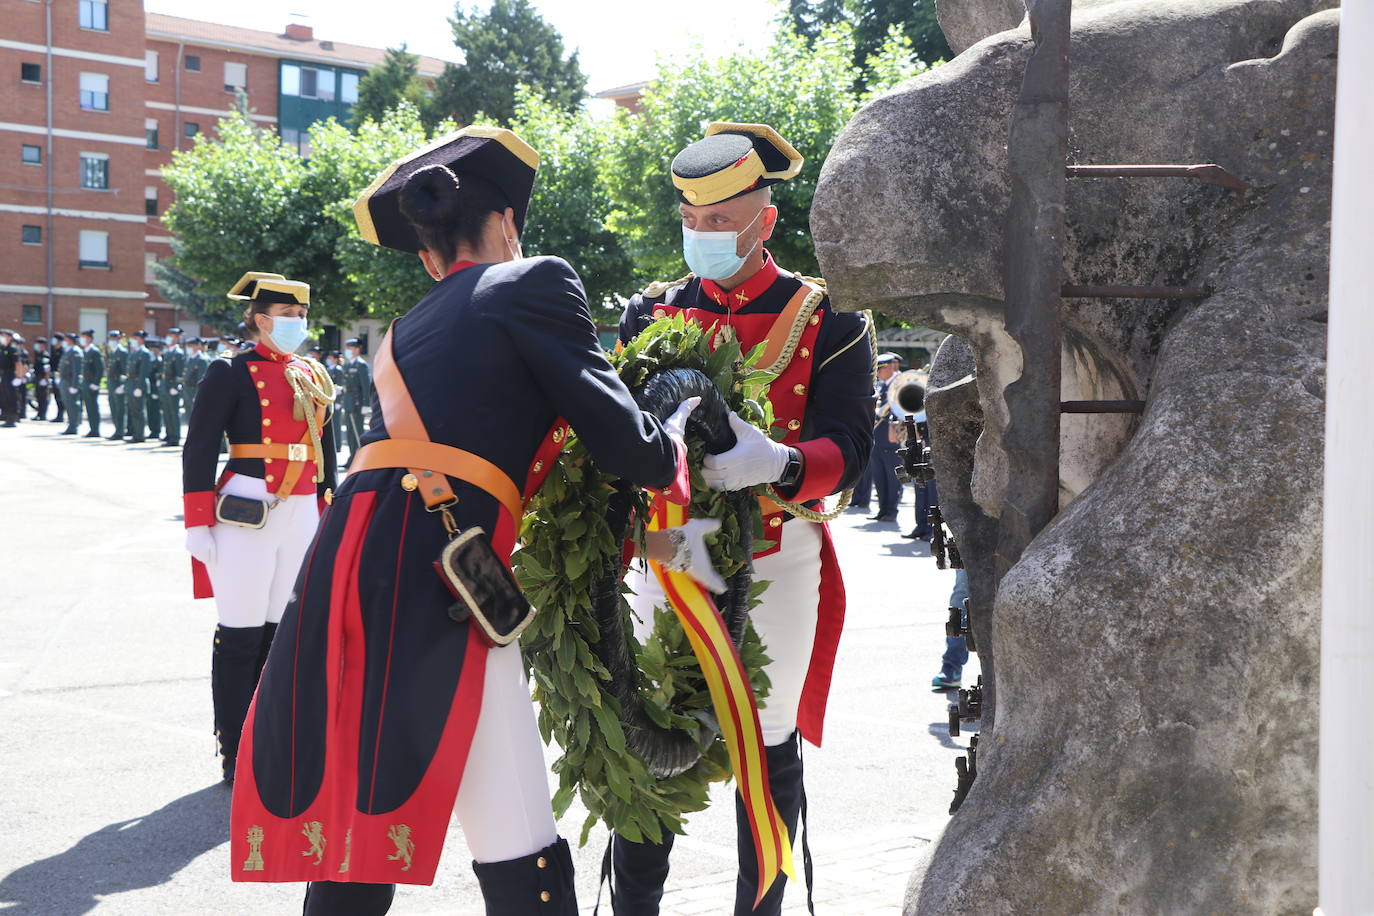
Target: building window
235,76
95,91
33,155
150,62
33,314
298,141
290,79
32,235
348,88
149,268
190,128
31,73
150,200
95,15
193,63
95,171
308,82
150,131
94,248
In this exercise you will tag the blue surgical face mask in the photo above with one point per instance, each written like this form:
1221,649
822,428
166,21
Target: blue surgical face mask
711,255
287,333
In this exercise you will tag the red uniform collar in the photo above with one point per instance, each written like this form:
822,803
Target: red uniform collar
461,265
267,352
747,291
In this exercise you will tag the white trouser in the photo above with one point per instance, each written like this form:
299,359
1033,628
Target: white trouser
255,568
785,621
503,804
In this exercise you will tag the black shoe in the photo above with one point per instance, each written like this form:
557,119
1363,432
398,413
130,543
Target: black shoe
114,438
883,517
785,784
233,677
68,432
538,883
912,536
138,439
7,426
638,873
93,434
175,443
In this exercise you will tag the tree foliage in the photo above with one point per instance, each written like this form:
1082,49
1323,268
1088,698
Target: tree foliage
873,22
395,80
189,295
507,46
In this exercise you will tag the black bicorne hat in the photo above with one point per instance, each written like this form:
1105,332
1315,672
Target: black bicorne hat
259,286
492,153
733,159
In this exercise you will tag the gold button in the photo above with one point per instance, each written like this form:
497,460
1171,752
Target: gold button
799,389
270,478
660,313
409,483
538,466
558,434
266,440
775,521
542,862
265,402
266,421
262,384
804,353
545,896
267,460
329,497
794,425
252,368
815,320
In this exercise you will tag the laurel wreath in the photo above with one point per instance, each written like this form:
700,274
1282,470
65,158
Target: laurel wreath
565,539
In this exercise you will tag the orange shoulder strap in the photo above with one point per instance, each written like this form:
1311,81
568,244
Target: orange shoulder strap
781,330
403,420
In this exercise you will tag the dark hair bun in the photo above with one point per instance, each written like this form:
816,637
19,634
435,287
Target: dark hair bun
429,198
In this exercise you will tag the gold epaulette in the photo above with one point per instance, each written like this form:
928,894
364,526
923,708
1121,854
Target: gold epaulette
656,289
814,281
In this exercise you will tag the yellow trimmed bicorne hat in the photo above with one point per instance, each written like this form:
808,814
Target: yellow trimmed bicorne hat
494,154
260,286
733,159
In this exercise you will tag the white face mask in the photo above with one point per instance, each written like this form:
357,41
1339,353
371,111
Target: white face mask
288,333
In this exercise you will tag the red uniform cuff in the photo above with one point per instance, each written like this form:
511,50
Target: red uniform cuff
679,491
199,508
823,469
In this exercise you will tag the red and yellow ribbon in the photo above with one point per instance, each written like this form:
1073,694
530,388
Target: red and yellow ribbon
737,712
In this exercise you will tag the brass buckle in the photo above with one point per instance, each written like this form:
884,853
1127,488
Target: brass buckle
297,451
446,516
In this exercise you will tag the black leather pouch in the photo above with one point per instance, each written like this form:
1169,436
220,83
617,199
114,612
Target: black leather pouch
241,511
485,587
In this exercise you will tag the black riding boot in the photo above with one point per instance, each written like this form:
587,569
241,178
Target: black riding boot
347,898
785,782
269,632
541,883
233,677
638,873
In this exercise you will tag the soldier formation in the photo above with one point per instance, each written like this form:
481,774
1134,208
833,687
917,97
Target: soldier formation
149,382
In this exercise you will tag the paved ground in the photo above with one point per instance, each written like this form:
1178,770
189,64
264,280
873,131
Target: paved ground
109,799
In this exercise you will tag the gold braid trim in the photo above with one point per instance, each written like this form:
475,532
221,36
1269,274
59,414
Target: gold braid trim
311,389
797,510
659,287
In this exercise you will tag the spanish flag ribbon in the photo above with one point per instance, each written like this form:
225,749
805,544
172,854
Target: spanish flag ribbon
736,710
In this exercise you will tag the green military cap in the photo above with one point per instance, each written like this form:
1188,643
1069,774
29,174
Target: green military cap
731,160
492,153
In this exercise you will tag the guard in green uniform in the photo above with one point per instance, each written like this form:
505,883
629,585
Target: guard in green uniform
69,378
92,371
196,364
357,392
137,369
169,386
156,346
116,365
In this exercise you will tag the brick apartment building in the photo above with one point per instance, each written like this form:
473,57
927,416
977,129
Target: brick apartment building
98,94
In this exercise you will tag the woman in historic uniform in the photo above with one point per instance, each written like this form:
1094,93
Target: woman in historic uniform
385,705
248,531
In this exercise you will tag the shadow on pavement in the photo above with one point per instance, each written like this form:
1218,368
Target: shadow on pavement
939,730
123,856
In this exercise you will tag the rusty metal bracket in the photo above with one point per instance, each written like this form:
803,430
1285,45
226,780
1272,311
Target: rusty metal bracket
1135,292
1102,407
1208,173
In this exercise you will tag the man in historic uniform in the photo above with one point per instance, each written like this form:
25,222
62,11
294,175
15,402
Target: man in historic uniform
822,399
41,375
196,364
69,375
9,372
357,393
139,367
169,386
92,371
116,365
156,347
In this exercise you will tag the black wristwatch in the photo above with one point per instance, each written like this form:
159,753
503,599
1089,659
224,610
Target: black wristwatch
792,471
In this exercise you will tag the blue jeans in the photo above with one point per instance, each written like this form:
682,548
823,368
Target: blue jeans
956,647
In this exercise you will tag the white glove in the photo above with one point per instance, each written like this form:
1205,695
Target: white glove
138,392
693,558
676,425
119,390
200,543
95,387
17,382
176,391
755,459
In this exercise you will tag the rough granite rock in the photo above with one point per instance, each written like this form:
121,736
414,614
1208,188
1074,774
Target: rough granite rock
967,22
1154,743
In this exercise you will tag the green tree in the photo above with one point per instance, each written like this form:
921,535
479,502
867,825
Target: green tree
507,46
189,295
387,85
872,21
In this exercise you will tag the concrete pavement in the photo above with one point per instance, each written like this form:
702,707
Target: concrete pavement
109,797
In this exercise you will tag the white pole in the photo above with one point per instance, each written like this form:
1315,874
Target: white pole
1346,835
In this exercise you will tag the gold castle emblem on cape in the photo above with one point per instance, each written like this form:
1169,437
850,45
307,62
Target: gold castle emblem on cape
348,850
313,831
254,861
399,835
